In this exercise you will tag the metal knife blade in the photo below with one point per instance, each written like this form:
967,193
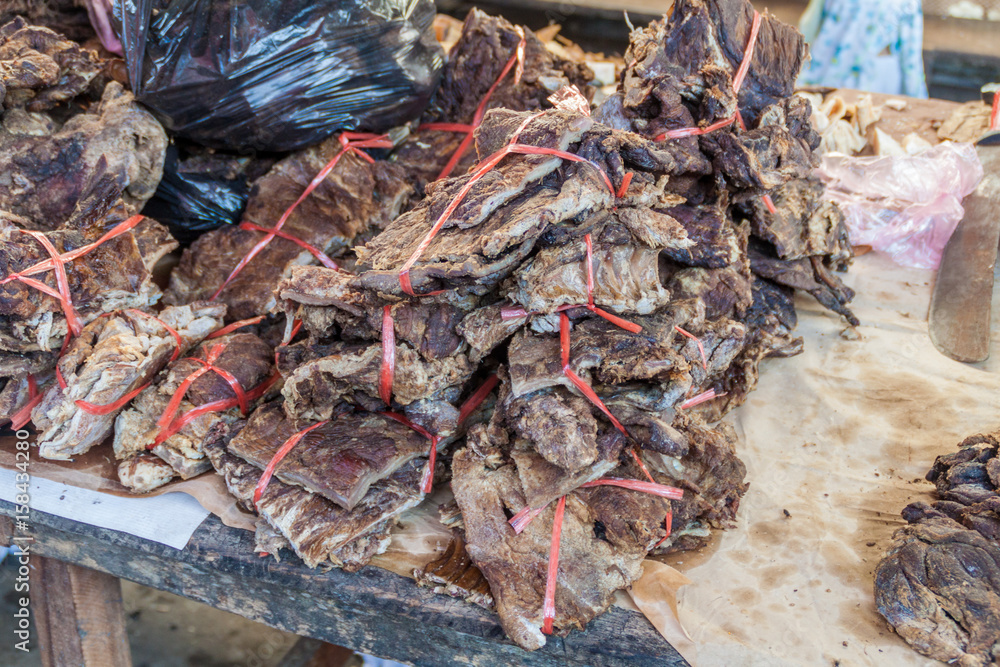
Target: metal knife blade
959,318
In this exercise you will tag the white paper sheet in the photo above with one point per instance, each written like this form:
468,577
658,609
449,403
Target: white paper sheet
169,519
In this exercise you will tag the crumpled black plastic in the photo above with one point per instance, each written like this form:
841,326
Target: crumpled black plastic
202,190
277,75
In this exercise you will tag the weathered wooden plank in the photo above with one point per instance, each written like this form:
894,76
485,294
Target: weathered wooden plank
79,616
373,610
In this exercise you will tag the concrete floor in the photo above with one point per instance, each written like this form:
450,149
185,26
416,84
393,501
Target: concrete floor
165,631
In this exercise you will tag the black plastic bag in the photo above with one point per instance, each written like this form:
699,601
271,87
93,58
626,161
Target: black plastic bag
276,75
202,189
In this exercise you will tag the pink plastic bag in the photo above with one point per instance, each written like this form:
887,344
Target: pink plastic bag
904,206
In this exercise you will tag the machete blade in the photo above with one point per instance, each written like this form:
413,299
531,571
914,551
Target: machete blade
959,318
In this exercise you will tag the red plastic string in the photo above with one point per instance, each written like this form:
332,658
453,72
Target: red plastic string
585,389
696,131
291,329
485,166
427,481
652,488
388,371
214,406
614,319
521,520
642,465
229,328
321,256
23,416
549,604
699,399
513,313
623,188
175,401
744,67
351,142
477,398
108,408
206,365
57,263
995,112
286,447
701,348
510,312
668,523
740,75
477,118
769,203
62,350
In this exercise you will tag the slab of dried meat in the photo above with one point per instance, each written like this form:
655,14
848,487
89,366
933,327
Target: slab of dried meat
939,583
174,416
39,68
474,66
356,198
112,358
49,165
117,274
319,531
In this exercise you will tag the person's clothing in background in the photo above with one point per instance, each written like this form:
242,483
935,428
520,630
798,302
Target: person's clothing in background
872,45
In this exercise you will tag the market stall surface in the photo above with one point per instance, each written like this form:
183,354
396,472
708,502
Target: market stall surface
836,442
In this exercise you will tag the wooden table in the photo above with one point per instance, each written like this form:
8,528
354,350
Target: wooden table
372,611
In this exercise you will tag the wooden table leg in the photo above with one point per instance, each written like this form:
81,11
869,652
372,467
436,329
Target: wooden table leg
79,616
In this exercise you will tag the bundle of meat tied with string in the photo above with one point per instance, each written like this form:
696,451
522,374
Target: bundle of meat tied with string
617,276
328,469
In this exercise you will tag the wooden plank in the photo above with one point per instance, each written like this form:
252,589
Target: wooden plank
372,611
79,615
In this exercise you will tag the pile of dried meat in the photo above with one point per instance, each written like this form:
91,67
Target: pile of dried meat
78,159
618,274
546,305
939,583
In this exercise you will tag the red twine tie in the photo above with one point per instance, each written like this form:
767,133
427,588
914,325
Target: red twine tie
549,603
169,425
995,112
477,398
57,263
512,148
699,399
282,452
23,416
701,348
388,371
668,521
106,409
477,118
585,389
234,326
769,203
509,312
351,142
215,406
741,73
427,481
